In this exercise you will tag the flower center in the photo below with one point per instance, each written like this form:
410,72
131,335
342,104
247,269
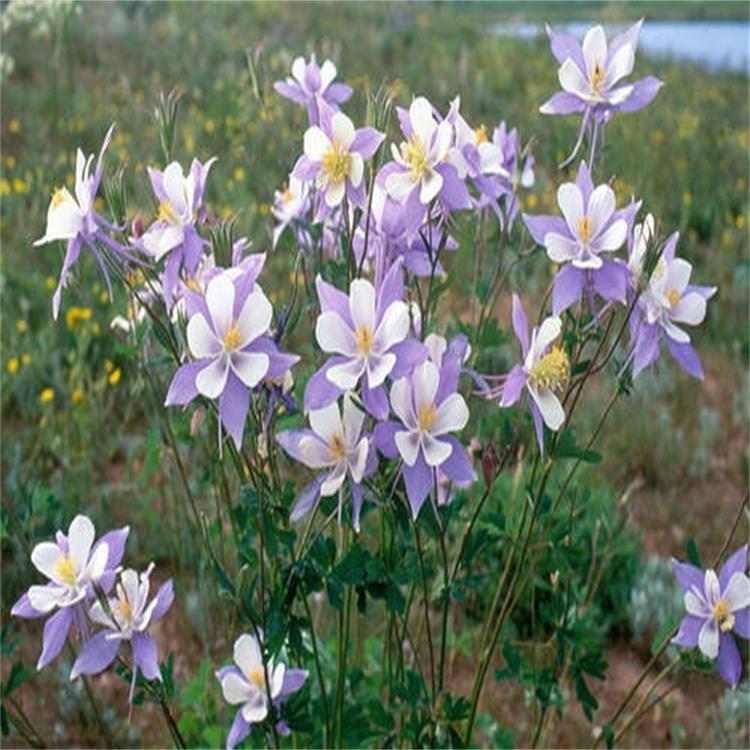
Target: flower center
584,229
480,134
232,338
66,570
123,611
365,340
61,195
427,416
336,163
415,157
287,196
337,448
166,213
552,370
723,615
257,677
673,297
597,78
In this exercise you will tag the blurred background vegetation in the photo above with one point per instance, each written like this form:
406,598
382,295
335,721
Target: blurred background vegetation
78,426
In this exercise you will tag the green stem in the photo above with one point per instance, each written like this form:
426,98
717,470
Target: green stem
319,671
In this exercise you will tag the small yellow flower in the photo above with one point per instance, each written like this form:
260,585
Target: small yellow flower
10,162
76,315
77,396
95,329
5,187
687,198
46,395
13,366
114,376
104,297
531,201
50,283
19,186
239,174
22,326
740,221
209,126
14,126
25,359
109,365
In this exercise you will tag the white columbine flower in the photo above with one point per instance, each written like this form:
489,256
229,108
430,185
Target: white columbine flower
70,568
548,371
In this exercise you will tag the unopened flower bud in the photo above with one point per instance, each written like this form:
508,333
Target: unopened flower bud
137,225
195,422
489,466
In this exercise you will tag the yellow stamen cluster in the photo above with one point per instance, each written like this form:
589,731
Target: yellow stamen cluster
427,416
337,162
61,195
232,338
365,339
257,677
415,157
597,77
123,611
287,196
480,134
66,570
585,228
337,448
673,297
166,213
552,370
724,616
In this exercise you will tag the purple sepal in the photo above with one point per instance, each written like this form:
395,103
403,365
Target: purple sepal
146,655
55,633
240,729
98,653
418,480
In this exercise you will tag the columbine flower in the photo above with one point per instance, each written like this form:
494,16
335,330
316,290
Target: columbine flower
253,686
421,170
543,374
73,564
518,164
591,226
334,157
368,333
290,206
333,444
72,218
310,84
127,617
717,606
591,74
174,231
428,408
227,338
667,299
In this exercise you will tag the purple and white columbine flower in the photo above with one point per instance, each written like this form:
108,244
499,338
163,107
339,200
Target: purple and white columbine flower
73,564
717,606
591,75
72,218
543,374
128,616
244,684
334,158
518,164
290,208
428,409
667,299
335,445
311,84
590,226
227,336
367,332
174,232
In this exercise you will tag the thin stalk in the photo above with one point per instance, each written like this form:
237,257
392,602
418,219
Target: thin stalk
319,671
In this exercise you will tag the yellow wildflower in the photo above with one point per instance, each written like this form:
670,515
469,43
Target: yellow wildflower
13,366
46,395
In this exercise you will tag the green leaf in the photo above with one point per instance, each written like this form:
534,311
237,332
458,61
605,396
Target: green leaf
692,553
567,447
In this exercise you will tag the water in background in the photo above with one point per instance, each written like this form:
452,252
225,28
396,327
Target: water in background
719,45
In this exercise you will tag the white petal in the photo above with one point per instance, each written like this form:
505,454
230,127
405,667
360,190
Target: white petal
347,374
353,420
342,130
545,335
402,402
64,218
695,605
80,540
570,200
100,617
334,480
619,95
356,170
613,237
435,451
362,302
314,452
708,639
202,341
161,239
97,563
737,592
220,302
277,678
335,193
327,74
712,587
549,405
334,335
247,654
601,207
255,710
408,444
316,143
691,309
594,48
620,65
46,598
298,69
442,142
235,689
393,327
425,383
250,367
210,380
675,332
175,188
678,275
399,185
559,248
572,80
432,183
358,460
378,368
254,318
44,557
326,422
420,114
452,415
